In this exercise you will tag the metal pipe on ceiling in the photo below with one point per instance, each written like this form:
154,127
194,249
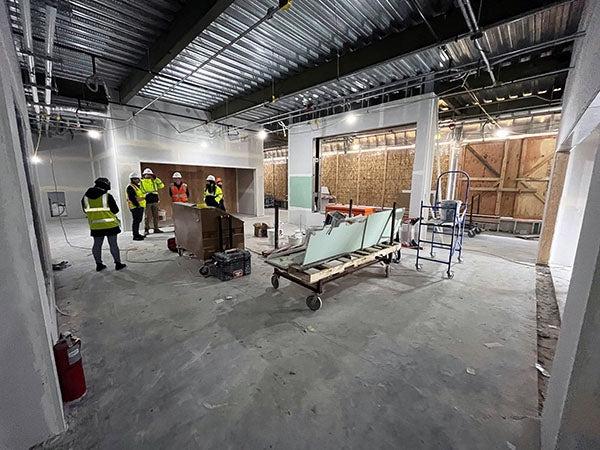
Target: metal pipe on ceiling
28,35
50,34
469,15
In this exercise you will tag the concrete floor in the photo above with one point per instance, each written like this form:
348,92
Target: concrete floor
172,362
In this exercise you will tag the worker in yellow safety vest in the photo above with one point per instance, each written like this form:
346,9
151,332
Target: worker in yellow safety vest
213,194
136,200
101,211
151,184
220,185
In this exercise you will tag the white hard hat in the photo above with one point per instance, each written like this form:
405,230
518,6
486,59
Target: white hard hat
210,178
177,175
148,171
134,175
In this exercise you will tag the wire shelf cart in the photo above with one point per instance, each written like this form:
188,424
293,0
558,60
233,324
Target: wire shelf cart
446,219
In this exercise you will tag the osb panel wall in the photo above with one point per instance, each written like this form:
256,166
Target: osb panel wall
369,178
276,178
195,177
511,176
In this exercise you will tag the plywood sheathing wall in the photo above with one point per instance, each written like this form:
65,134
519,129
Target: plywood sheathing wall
374,170
276,177
511,176
195,177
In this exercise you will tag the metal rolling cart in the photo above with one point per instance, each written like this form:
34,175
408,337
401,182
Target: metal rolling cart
315,276
446,218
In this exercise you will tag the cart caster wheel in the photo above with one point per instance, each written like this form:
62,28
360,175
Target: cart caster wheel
179,251
314,302
387,270
471,233
204,271
478,230
450,275
419,267
396,258
275,281
460,259
432,254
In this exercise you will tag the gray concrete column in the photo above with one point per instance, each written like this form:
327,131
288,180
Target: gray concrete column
571,416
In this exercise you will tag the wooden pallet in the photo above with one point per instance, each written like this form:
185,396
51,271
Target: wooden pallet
342,264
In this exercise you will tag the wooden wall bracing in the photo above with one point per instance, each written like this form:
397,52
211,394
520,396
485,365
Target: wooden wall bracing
510,176
195,177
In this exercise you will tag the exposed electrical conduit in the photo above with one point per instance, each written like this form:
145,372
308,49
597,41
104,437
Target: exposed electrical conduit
469,15
455,72
50,33
28,33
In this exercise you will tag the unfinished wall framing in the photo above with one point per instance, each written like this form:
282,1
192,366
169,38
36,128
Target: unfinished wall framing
511,177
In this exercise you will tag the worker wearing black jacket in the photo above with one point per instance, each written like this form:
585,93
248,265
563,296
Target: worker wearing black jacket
136,200
101,211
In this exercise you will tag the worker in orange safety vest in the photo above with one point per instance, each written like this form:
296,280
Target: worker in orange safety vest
179,190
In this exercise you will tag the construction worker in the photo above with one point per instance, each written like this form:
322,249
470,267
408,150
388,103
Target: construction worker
101,211
219,182
179,190
151,184
212,193
136,200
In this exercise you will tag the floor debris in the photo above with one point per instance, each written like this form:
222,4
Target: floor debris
471,371
219,300
493,345
542,370
210,406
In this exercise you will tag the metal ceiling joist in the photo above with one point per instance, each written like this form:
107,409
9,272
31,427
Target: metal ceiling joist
449,27
189,23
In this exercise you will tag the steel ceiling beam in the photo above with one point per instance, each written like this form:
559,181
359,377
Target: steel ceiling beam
449,27
193,18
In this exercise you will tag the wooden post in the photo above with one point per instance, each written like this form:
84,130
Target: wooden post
502,176
555,189
385,164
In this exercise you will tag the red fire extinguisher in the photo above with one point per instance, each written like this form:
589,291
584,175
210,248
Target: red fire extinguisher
67,353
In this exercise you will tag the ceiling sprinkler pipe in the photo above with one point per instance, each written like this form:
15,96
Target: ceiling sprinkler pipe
469,15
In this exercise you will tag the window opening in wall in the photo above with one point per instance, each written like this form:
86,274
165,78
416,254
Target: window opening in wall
57,204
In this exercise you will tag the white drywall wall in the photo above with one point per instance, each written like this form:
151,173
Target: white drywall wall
421,110
573,201
30,404
70,158
161,138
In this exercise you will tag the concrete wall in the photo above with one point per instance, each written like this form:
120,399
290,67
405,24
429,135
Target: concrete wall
71,158
421,110
161,138
30,404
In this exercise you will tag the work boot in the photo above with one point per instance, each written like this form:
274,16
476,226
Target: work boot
119,266
138,237
158,230
100,267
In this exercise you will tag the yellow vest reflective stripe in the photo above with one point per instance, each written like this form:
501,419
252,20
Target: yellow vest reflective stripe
139,195
151,186
99,214
218,195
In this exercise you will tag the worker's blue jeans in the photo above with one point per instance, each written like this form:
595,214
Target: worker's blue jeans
112,243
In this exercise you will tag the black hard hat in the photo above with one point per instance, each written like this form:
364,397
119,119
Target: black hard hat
102,183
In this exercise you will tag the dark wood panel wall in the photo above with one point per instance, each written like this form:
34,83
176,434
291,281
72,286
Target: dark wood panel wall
195,177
